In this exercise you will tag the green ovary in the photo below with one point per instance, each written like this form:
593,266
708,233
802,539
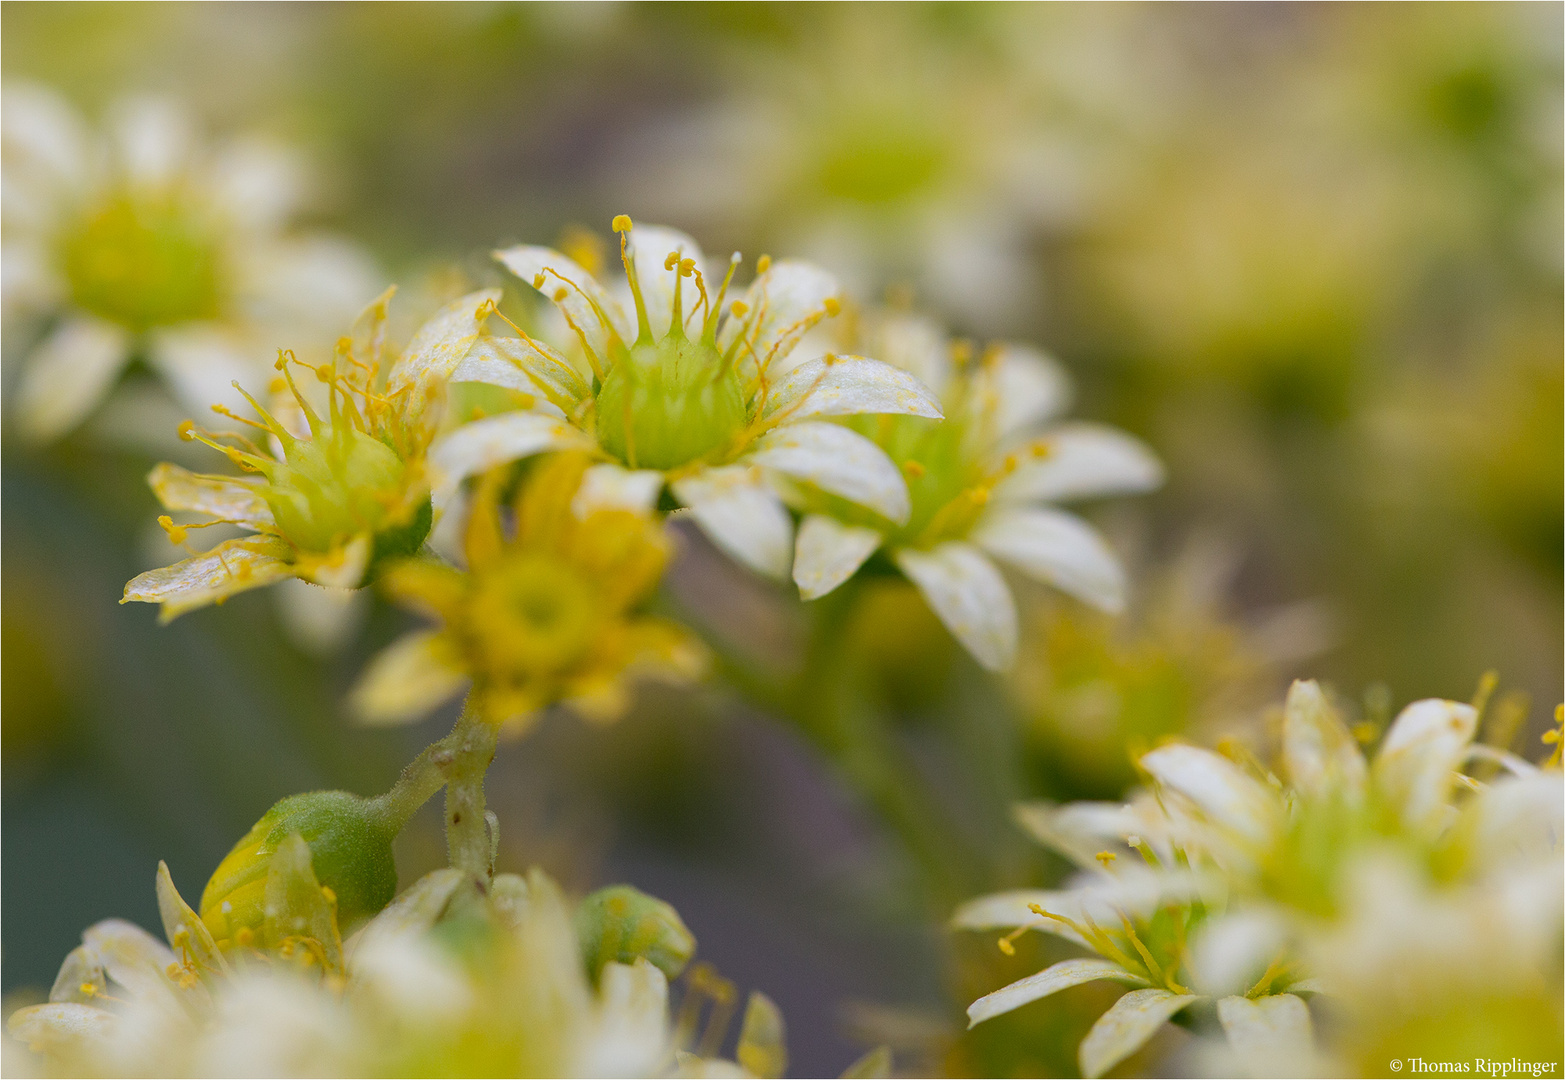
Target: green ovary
941,473
667,404
144,263
341,485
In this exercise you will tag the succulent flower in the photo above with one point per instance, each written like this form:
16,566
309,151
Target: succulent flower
547,614
980,483
692,393
141,243
338,495
445,979
1417,900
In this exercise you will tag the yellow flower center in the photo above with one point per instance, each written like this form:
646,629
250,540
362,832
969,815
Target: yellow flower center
532,615
144,262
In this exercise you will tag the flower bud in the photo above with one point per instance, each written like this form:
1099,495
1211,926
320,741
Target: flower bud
623,924
350,847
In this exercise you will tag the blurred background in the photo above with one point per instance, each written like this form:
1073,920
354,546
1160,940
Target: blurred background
1310,253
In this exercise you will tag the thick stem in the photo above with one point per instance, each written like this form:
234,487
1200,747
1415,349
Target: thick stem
464,761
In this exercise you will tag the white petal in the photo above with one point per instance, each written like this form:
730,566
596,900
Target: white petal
848,385
1056,548
43,133
318,281
651,245
232,499
1078,460
154,138
610,487
828,552
67,375
529,366
231,567
1271,1036
1223,791
1050,980
495,440
258,183
836,460
1126,1027
631,1036
133,958
1013,907
441,343
1418,759
65,1025
782,304
581,298
968,594
201,363
1232,950
410,677
1020,389
742,516
1078,830
1321,756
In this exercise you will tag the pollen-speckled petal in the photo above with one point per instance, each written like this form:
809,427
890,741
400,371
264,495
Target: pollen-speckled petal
212,576
529,366
967,593
495,440
848,385
742,516
230,498
1081,460
1050,980
836,460
827,553
1056,548
1126,1027
441,343
1224,792
579,296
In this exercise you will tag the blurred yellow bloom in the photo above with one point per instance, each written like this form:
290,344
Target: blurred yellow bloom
143,243
341,493
547,614
707,398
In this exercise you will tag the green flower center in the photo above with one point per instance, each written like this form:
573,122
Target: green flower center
669,403
337,486
144,262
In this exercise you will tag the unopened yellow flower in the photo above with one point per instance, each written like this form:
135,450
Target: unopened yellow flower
544,615
338,493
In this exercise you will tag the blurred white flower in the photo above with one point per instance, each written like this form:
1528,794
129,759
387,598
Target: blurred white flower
979,483
141,242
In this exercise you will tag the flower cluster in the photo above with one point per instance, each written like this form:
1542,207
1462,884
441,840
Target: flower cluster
1412,897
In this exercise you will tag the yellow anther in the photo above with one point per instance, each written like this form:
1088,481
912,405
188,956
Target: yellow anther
91,989
176,533
331,897
277,385
538,280
621,223
187,430
833,307
1042,449
831,358
913,468
1365,732
739,308
961,353
1555,738
763,264
1010,463
687,267
671,261
560,294
979,495
244,937
1105,857
325,374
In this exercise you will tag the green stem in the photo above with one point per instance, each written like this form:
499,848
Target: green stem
470,749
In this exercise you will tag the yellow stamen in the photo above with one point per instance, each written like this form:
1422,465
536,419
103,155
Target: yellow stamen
621,223
763,264
176,533
1106,858
913,468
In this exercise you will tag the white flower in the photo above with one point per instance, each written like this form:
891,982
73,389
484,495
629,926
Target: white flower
142,243
688,392
980,484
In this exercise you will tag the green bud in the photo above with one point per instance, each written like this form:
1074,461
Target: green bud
667,404
623,924
349,838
